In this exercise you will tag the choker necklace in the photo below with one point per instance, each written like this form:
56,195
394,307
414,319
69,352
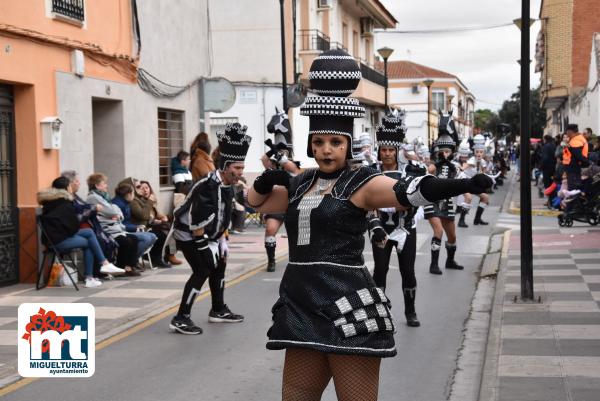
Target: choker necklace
329,176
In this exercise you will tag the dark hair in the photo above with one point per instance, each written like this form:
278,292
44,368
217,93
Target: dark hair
589,130
61,183
123,190
149,186
216,156
201,142
182,155
548,138
573,127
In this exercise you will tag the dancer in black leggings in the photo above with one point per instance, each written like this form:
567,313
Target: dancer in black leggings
198,229
389,227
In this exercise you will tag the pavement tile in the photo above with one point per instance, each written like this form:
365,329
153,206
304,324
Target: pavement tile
110,312
596,295
538,331
584,388
556,287
584,250
554,296
532,389
530,346
591,279
541,278
594,286
553,306
8,337
589,272
162,278
544,273
571,266
18,300
587,266
529,366
170,285
583,366
551,318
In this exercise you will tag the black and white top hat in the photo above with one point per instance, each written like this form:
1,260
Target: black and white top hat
333,76
478,142
445,141
233,144
391,131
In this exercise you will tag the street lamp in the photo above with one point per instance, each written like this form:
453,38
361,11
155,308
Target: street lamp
385,52
428,83
283,67
526,234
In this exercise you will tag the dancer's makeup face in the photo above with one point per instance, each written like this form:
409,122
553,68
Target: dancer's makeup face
330,151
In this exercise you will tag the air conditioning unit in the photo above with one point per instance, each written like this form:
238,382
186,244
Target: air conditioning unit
325,3
366,26
415,89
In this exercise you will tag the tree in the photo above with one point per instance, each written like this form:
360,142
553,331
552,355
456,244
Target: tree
486,120
510,113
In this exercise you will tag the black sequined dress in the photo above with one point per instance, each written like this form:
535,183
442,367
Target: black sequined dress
327,299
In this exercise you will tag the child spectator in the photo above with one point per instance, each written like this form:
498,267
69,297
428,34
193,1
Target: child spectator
181,175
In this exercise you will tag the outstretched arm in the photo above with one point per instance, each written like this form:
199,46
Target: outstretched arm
269,193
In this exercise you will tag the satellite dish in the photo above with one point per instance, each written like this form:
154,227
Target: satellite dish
219,94
296,94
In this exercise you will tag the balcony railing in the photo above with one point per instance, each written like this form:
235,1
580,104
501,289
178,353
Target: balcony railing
371,74
69,8
337,46
313,39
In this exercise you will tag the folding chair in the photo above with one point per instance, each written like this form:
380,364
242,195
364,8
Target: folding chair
50,252
253,217
147,253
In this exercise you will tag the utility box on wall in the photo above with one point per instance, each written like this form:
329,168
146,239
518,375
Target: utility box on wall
51,132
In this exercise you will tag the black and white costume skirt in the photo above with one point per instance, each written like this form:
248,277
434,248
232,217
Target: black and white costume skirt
332,308
277,216
443,209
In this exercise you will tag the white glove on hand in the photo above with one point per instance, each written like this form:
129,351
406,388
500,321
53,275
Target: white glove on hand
223,248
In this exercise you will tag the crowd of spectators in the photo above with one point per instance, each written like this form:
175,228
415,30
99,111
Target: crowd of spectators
115,231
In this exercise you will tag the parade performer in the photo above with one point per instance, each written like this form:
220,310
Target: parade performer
198,228
463,202
441,214
479,165
391,228
330,317
278,157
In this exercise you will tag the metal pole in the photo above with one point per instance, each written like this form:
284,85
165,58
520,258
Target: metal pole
429,116
526,235
283,67
386,83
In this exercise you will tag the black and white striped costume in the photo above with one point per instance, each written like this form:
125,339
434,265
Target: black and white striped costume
443,209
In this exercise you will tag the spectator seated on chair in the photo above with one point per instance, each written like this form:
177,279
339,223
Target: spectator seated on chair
86,214
145,239
111,218
158,224
61,225
181,175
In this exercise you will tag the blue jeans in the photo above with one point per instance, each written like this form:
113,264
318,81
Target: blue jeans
86,240
145,241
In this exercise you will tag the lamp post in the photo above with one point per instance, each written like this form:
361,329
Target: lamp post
428,83
526,234
385,53
283,67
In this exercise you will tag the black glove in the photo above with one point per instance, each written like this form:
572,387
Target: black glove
265,182
205,251
479,184
378,234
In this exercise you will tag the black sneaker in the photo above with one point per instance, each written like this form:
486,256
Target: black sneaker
224,316
184,325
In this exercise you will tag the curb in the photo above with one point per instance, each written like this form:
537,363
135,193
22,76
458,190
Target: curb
13,382
489,386
534,212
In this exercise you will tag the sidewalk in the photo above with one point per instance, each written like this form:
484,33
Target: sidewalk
125,302
548,350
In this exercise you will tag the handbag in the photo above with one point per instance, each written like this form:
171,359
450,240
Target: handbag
64,277
55,279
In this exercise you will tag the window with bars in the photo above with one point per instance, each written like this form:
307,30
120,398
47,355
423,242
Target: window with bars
171,134
73,9
438,101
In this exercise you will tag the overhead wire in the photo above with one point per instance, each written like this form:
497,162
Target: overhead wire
444,30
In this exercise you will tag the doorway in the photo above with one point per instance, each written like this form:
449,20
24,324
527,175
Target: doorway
8,190
109,141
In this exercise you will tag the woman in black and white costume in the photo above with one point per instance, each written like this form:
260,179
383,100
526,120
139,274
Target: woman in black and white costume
330,317
441,213
463,202
389,227
478,165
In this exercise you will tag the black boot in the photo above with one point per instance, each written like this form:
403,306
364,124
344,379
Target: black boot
450,262
409,307
435,256
478,214
270,247
463,214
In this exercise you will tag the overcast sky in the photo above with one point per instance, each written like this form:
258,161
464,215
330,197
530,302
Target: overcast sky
486,61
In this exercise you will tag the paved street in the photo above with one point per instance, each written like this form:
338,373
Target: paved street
230,362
